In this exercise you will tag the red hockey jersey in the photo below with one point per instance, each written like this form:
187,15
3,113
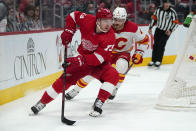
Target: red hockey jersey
95,47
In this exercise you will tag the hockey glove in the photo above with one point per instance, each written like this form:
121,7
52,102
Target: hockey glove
137,57
75,61
66,36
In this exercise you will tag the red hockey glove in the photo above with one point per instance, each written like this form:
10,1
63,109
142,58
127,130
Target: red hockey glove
75,61
137,57
66,36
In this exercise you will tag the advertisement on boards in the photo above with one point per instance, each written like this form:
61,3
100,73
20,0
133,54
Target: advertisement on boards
26,57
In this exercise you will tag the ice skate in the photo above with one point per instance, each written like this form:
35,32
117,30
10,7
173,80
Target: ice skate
113,95
71,94
96,111
37,108
151,64
157,65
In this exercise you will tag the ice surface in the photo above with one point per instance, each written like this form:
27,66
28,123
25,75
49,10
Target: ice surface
131,110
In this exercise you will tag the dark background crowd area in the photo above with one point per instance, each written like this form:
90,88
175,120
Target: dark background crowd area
26,15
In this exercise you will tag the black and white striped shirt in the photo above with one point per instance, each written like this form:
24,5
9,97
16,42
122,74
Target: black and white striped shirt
165,19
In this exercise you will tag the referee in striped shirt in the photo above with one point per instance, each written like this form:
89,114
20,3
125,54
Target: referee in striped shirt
166,19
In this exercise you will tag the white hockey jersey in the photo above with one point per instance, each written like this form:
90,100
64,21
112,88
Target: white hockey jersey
128,36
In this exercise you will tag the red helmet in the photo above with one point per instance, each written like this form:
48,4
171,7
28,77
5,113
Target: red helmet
104,13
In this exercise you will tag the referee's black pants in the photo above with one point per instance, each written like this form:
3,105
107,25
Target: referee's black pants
160,40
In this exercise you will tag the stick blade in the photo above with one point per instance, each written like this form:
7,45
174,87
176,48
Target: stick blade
67,121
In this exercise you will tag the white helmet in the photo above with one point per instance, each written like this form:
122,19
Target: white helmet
120,13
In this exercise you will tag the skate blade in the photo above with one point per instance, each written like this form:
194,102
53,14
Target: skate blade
94,114
108,101
156,68
32,114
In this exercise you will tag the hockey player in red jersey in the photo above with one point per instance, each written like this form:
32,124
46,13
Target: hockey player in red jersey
97,42
125,32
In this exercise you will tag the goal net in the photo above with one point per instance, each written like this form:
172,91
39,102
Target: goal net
180,90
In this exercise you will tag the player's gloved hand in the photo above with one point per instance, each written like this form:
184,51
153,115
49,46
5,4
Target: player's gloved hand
75,61
137,57
67,35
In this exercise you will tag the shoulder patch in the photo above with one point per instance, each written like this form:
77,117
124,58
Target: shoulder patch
130,26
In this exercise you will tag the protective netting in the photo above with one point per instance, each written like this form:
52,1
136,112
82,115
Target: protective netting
180,90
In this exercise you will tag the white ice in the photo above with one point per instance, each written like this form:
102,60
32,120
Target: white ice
132,109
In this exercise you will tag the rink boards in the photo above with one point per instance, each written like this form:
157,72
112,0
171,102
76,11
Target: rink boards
32,60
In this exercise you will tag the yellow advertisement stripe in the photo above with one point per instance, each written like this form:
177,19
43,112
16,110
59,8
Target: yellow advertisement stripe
19,91
166,60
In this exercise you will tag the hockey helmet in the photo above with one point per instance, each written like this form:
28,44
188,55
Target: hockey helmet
104,13
120,13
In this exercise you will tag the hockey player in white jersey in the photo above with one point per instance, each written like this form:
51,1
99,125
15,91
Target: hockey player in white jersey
127,33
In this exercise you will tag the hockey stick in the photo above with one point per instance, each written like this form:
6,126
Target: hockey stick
63,118
129,68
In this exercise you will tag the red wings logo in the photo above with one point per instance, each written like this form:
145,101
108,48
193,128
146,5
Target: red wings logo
88,45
